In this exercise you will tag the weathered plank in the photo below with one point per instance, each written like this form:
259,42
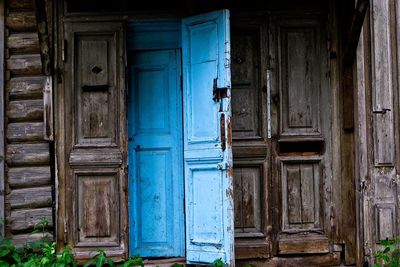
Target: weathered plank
29,64
27,154
35,197
20,240
331,259
23,43
25,110
25,87
22,220
29,177
25,131
20,5
295,246
21,21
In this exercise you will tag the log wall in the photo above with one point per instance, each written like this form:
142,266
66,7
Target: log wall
27,175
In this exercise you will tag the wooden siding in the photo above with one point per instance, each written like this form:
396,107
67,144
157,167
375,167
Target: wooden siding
28,179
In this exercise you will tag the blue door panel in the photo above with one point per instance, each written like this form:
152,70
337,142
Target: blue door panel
207,154
155,154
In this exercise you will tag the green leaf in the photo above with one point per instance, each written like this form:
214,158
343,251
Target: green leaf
90,262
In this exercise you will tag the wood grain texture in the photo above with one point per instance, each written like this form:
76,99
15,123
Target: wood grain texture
28,154
23,43
306,245
30,198
25,219
25,131
23,177
329,259
25,110
24,64
383,82
18,5
25,87
20,239
21,21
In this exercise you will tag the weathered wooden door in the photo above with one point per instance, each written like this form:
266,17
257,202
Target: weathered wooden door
282,136
155,154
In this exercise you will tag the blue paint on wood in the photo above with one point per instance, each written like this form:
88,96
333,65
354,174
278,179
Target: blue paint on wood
208,185
155,154
154,34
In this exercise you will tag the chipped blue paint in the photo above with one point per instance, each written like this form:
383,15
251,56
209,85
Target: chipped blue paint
208,185
155,153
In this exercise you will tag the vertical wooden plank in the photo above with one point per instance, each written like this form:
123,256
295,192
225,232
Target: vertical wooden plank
2,156
307,193
238,196
293,195
361,152
382,82
251,198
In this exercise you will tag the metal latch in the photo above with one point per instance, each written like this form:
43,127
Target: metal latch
219,92
383,111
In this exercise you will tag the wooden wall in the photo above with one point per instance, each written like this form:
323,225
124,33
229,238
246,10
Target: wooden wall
27,176
377,125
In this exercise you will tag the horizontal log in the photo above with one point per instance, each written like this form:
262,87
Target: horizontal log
23,177
22,220
23,43
29,64
36,197
21,240
21,21
26,5
25,131
27,154
25,87
25,110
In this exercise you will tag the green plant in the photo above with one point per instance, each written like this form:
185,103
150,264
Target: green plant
100,260
134,261
218,263
390,255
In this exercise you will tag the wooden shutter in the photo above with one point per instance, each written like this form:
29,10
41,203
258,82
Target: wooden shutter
207,144
93,184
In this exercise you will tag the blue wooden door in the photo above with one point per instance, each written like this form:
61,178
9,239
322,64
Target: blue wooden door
207,144
156,206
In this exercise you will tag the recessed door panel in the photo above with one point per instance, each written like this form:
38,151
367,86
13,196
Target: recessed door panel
155,154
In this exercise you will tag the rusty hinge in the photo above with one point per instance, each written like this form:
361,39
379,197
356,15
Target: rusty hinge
219,92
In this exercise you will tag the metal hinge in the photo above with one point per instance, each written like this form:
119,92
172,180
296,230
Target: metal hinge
219,92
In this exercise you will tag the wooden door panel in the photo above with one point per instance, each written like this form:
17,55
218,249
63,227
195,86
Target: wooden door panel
302,143
300,81
93,177
248,200
301,183
155,154
95,117
250,149
245,84
97,208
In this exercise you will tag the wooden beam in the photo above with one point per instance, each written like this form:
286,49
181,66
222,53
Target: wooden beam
353,36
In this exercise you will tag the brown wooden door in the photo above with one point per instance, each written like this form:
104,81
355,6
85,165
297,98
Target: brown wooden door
281,136
93,191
